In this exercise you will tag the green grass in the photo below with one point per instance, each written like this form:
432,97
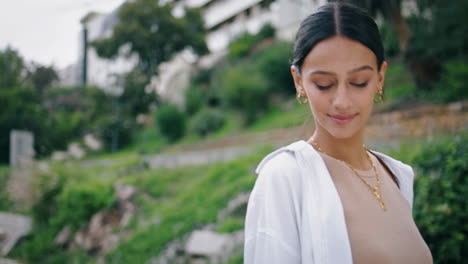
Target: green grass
5,203
230,225
184,199
398,82
278,118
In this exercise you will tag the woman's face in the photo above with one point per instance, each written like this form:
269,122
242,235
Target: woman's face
339,76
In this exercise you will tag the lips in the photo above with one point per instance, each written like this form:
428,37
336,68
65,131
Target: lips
342,119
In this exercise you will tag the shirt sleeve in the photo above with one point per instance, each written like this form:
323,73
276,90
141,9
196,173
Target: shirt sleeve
273,214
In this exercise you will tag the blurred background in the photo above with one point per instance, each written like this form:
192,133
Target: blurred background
130,130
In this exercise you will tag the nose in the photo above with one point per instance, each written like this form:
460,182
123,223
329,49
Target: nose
342,99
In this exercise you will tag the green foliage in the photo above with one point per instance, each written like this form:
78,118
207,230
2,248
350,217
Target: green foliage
180,188
195,98
398,83
11,67
244,89
230,225
443,25
170,121
273,63
390,40
242,46
206,121
245,43
21,110
42,78
440,207
135,100
453,85
153,33
78,202
5,203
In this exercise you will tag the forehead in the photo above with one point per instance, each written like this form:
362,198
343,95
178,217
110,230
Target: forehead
339,54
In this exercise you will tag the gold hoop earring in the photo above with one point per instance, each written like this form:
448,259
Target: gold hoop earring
380,98
302,99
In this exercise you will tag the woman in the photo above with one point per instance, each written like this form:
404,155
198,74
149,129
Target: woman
330,199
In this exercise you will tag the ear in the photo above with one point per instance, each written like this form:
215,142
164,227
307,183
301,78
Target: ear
383,70
297,79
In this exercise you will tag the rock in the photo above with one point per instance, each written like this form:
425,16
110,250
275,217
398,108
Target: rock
64,236
92,143
98,236
124,192
236,207
14,226
8,261
75,151
3,235
59,155
208,244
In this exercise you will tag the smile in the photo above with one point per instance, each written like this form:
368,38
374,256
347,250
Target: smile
342,119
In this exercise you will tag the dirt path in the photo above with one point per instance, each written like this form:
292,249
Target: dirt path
384,129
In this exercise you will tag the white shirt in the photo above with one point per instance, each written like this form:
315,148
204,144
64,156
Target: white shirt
295,214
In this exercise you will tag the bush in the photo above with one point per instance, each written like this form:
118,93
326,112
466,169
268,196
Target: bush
454,83
121,129
273,64
440,209
244,44
5,203
206,121
77,203
390,40
245,89
194,99
170,121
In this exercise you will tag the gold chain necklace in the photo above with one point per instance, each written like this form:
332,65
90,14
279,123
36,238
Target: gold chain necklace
373,189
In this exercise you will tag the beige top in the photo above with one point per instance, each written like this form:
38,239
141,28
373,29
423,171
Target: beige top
377,236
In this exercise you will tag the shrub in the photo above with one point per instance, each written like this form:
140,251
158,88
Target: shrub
390,40
170,121
245,89
5,202
78,202
453,85
109,129
273,64
194,99
206,121
244,44
440,209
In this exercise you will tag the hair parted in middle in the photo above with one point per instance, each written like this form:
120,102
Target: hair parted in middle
337,18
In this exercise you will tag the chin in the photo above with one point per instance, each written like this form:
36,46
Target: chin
342,132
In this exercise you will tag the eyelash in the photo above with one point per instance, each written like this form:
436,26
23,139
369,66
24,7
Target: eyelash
364,84
360,85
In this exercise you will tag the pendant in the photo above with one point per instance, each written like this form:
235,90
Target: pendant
383,205
376,194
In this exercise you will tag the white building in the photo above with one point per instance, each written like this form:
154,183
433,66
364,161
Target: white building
224,19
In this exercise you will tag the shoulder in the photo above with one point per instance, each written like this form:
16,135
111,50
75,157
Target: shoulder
281,160
396,166
280,170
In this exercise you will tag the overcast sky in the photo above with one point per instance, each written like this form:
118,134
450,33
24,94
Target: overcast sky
47,31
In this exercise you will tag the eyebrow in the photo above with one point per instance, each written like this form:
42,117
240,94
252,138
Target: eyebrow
362,68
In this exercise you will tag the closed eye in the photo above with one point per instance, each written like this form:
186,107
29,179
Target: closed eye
364,84
321,87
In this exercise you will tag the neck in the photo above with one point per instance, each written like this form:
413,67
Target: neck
350,150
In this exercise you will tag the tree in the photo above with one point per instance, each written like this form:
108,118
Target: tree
153,33
391,11
11,68
135,99
42,78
